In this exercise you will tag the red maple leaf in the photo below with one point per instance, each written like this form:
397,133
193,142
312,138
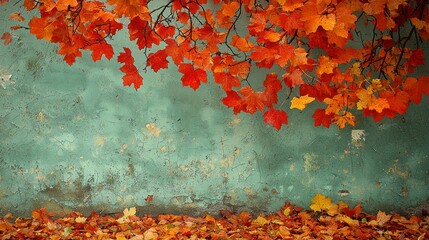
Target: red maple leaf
293,77
252,100
272,86
398,101
416,59
192,77
416,88
227,80
233,100
141,31
321,118
98,50
132,75
353,212
157,60
175,51
376,116
276,118
320,91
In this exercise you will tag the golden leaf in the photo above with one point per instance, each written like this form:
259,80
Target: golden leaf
301,102
320,203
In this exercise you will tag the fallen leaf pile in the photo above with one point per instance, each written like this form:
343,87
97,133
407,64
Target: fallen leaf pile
324,220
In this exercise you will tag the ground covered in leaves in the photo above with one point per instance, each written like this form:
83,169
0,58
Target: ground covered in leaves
324,220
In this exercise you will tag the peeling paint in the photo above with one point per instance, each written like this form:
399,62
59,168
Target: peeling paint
153,130
40,117
5,78
310,164
100,141
395,169
123,148
358,137
234,122
249,192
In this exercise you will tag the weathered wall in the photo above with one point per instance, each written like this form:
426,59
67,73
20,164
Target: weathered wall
73,138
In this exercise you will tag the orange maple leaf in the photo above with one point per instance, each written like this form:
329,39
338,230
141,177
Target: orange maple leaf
343,119
312,20
7,38
326,65
17,16
131,9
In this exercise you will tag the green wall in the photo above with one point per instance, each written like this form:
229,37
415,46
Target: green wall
73,138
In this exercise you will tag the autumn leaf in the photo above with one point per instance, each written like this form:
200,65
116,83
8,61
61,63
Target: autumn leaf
260,221
226,80
7,38
343,119
252,101
80,219
192,77
131,9
2,2
229,9
242,44
301,102
157,60
129,212
132,76
326,65
17,16
382,219
416,88
320,203
98,50
321,118
149,199
293,78
276,118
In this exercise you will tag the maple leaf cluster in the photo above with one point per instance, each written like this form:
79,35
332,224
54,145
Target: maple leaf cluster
344,56
325,220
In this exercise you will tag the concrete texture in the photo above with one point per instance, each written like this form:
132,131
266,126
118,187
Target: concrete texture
73,138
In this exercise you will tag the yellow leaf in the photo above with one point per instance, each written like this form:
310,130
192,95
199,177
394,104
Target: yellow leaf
120,237
333,210
364,96
129,212
260,221
355,70
284,232
351,222
80,219
342,205
286,212
301,102
320,203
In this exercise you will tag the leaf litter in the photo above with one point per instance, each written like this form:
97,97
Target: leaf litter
324,220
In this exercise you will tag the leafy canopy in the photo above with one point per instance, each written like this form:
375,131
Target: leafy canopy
343,56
